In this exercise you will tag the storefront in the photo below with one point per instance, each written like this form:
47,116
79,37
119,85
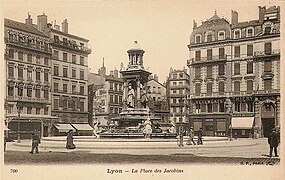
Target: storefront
242,126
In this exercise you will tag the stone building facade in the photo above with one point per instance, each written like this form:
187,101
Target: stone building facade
235,72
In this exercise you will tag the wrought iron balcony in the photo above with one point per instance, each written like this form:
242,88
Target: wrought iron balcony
26,44
267,53
70,45
202,60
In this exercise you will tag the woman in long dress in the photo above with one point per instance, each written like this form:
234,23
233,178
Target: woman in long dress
69,140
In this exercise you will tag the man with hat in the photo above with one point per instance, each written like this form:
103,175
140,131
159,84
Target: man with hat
191,137
273,141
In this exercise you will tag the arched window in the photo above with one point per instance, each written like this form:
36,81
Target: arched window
198,38
237,34
250,32
221,35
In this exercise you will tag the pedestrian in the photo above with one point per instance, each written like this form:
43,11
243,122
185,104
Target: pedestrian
200,133
191,137
35,142
69,140
235,136
273,141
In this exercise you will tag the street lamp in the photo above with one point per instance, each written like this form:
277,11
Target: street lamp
19,108
181,101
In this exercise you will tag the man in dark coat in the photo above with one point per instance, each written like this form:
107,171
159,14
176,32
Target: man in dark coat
35,143
200,132
273,141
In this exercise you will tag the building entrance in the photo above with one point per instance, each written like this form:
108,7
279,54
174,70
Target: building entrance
267,125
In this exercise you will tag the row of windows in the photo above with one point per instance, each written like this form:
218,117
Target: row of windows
29,92
115,110
66,59
30,110
71,103
29,73
116,86
222,55
31,58
210,107
65,88
116,99
154,90
65,72
180,91
178,75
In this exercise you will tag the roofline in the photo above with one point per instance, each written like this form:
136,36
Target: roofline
69,35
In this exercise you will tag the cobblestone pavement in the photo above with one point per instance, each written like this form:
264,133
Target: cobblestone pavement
241,151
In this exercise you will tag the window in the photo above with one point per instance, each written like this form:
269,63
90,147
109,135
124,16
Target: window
267,30
29,74
237,51
81,60
55,54
46,76
209,88
268,48
65,73
209,37
221,36
20,71
249,86
11,53
30,58
197,88
209,108
250,32
11,71
81,107
203,107
82,74
64,103
237,87
267,66
198,39
81,90
209,71
181,75
249,50
29,110
46,111
55,87
209,54
64,57
10,91
73,58
64,86
38,93
236,68
20,91
46,94
174,100
20,55
46,61
73,73
221,53
221,87
38,74
55,103
267,84
237,34
38,59
38,110
55,70
120,99
221,69
29,92
174,109
174,76
73,88
221,107
197,55
249,67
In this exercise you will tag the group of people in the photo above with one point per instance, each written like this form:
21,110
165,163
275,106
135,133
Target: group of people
191,137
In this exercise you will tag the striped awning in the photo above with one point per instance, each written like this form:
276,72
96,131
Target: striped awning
63,127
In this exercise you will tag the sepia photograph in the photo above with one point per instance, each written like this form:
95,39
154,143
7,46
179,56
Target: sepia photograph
123,89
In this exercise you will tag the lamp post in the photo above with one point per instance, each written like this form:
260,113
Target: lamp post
181,101
19,108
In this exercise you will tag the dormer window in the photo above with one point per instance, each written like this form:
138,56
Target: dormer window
250,32
237,34
221,35
267,30
209,37
198,38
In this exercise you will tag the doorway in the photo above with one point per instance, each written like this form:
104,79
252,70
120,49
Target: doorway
267,125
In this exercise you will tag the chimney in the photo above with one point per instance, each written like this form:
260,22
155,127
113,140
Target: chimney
234,18
65,26
56,27
194,24
112,73
116,73
42,22
261,13
29,20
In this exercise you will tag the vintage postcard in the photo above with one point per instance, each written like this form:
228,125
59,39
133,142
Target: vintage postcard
124,89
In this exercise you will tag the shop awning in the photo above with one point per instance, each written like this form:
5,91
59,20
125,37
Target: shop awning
63,127
242,122
82,127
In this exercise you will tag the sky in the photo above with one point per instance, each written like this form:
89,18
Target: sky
162,28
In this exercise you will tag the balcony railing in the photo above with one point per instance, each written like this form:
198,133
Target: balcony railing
267,53
207,59
71,46
28,99
28,45
210,95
